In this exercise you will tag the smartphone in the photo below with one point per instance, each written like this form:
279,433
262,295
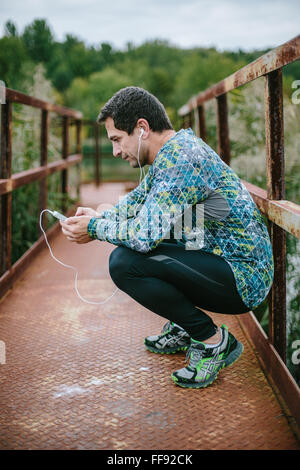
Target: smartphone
58,215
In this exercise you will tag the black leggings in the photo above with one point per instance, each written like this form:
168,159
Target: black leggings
171,282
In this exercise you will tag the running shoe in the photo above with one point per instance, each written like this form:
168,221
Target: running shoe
172,339
206,362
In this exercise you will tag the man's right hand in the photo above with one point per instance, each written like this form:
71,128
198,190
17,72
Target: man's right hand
87,211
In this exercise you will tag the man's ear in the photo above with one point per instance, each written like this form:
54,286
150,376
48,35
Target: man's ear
143,127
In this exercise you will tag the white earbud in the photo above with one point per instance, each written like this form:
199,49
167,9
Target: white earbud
142,132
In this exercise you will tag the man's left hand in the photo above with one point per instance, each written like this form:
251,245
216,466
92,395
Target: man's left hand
75,229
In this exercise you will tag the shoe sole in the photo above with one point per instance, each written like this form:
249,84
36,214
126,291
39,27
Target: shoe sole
195,384
230,360
170,351
234,355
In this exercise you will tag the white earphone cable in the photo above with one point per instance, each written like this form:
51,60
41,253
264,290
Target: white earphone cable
71,267
142,172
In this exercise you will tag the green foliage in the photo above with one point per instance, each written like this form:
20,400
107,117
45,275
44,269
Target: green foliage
200,70
24,219
10,29
171,73
13,58
89,95
38,40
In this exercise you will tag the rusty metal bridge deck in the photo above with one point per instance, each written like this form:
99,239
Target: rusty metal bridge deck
77,376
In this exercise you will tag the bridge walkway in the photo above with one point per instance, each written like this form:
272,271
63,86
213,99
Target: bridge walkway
78,376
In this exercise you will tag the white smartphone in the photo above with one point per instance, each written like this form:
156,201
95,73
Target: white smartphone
58,215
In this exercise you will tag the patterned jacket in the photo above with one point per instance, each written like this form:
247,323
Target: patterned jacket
189,194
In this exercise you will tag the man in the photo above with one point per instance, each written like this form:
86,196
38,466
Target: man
190,236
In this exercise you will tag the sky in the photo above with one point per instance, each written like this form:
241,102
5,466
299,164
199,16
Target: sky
224,24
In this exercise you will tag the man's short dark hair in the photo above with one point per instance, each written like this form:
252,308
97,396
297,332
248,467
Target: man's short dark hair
129,105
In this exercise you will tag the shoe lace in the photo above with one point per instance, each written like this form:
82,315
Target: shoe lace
194,354
166,327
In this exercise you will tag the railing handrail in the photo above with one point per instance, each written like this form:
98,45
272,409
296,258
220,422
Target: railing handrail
284,213
272,60
36,174
17,97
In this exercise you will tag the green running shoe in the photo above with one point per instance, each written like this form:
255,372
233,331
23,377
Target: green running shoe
172,339
206,362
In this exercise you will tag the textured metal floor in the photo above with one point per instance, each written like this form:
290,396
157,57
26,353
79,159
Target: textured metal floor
78,376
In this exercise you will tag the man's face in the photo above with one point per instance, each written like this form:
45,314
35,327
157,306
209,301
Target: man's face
125,145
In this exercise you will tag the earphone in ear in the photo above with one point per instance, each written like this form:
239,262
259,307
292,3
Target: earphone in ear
142,132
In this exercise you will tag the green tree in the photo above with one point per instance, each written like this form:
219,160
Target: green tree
12,59
201,70
90,94
72,58
39,41
158,82
10,29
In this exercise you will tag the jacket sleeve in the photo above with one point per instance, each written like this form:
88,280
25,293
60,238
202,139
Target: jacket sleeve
173,189
131,203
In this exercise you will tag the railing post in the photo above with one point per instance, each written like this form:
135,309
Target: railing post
223,129
276,190
201,118
97,153
188,121
78,123
65,153
44,160
197,122
6,199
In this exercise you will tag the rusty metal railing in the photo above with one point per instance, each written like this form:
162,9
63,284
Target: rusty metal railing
283,216
9,182
98,154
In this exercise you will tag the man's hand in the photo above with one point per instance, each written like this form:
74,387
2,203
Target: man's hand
87,211
75,228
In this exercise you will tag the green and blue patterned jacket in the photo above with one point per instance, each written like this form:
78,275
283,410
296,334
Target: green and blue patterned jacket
187,174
